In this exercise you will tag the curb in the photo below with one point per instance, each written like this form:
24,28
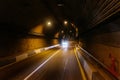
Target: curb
24,56
92,72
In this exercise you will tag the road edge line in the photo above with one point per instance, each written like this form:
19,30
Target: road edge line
80,66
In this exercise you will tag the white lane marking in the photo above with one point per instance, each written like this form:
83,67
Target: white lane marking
26,78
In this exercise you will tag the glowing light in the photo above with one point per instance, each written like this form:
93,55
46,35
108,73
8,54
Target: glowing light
60,5
64,44
49,23
62,31
65,22
70,31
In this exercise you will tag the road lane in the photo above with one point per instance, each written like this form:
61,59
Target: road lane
21,69
40,66
49,65
63,66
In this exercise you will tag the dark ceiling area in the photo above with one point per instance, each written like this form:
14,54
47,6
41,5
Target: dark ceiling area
23,15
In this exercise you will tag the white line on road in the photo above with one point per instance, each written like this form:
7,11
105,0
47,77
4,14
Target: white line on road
26,78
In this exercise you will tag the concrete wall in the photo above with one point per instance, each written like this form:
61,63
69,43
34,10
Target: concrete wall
14,46
104,42
102,52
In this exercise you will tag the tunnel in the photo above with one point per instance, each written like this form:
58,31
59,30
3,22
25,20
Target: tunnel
35,26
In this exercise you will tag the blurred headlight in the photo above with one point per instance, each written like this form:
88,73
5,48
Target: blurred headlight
64,44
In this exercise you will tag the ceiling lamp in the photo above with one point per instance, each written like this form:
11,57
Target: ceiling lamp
60,3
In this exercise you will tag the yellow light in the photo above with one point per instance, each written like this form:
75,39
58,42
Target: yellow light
65,22
49,23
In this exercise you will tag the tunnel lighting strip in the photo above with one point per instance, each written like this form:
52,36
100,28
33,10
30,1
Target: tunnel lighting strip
41,65
80,66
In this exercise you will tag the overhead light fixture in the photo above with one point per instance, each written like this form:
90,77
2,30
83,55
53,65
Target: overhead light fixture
60,3
65,22
49,23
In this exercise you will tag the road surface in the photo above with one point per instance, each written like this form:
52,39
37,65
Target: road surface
54,64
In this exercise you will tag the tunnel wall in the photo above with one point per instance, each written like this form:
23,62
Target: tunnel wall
104,43
17,46
23,13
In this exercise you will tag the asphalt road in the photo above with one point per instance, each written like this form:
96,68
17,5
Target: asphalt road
54,64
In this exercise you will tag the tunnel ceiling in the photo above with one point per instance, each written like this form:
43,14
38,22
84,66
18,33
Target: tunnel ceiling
23,15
